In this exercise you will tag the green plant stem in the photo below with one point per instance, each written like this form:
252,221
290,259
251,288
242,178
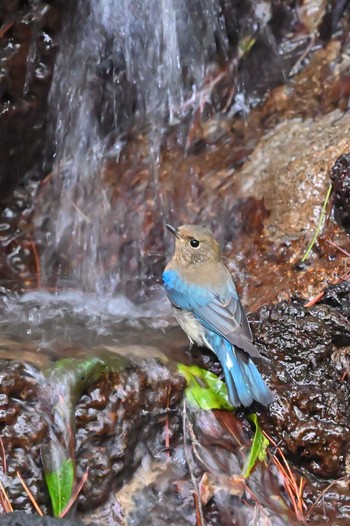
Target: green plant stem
319,225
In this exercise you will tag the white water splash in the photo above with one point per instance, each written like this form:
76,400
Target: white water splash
123,64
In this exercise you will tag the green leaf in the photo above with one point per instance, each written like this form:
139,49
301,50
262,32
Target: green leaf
60,485
245,45
204,389
258,448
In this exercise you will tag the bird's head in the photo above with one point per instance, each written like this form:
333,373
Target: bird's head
194,244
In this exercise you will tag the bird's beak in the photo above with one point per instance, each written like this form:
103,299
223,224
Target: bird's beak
173,230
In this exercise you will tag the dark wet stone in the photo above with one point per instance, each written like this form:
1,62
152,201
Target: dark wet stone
217,445
340,176
301,266
26,519
18,264
306,358
28,45
119,419
333,506
23,428
338,297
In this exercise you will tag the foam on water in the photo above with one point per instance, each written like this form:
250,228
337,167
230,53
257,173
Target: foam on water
51,323
120,307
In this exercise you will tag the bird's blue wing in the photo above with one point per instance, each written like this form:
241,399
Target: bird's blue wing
184,295
221,313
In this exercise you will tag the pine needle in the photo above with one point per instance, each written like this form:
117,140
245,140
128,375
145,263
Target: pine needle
3,456
7,504
30,494
75,494
37,261
293,489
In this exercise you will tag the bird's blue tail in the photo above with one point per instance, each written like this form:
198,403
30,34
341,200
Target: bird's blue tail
243,380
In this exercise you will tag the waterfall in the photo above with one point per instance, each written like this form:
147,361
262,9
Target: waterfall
125,69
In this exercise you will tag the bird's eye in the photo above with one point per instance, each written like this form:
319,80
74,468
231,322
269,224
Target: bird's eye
194,243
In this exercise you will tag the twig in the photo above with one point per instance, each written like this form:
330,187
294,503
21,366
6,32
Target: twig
198,508
199,511
30,494
319,225
205,93
195,443
292,489
345,276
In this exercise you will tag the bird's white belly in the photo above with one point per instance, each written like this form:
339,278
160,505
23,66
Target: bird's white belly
191,326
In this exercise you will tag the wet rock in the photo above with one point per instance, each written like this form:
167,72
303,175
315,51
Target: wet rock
340,176
28,41
23,428
18,257
162,492
118,419
306,359
292,149
333,504
134,407
338,297
25,519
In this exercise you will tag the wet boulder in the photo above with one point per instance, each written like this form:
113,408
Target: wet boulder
119,420
29,34
306,361
116,419
340,176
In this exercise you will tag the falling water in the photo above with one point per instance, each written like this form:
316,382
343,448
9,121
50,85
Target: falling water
125,68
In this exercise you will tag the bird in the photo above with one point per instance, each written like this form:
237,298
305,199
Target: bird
207,307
